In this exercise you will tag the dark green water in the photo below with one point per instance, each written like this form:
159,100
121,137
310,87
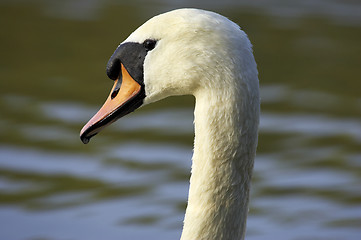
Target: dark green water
131,181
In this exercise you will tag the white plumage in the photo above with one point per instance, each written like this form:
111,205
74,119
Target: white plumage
203,54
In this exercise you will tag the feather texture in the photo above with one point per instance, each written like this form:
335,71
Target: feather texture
206,55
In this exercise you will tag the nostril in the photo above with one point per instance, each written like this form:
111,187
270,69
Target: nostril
115,93
118,84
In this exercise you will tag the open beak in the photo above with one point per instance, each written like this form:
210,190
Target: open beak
125,96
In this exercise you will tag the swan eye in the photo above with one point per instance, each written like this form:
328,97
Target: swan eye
149,44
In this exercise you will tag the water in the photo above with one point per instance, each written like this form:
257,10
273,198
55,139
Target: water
131,181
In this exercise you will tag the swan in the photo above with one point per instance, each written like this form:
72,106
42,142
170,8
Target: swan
201,53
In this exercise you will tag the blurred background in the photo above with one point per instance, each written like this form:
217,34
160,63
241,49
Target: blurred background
131,181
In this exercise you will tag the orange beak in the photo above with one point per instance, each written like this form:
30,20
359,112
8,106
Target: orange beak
125,96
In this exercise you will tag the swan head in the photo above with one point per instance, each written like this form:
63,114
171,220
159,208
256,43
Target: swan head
180,52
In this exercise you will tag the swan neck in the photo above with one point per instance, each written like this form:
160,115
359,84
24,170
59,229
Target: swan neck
224,150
